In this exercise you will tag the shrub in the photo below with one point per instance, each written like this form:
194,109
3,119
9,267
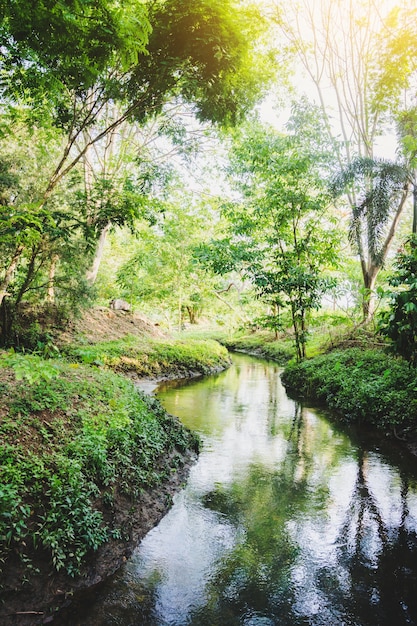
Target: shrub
72,441
399,323
362,385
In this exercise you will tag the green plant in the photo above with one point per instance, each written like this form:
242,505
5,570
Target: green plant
73,445
362,385
71,527
29,367
399,322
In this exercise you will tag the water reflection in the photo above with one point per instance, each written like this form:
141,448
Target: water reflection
285,520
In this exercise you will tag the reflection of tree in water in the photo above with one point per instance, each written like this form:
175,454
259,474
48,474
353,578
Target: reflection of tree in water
373,581
381,564
254,581
308,522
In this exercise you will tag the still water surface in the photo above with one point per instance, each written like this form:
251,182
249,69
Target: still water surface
286,520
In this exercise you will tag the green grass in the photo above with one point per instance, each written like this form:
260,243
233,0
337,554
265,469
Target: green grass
73,439
261,343
326,330
154,357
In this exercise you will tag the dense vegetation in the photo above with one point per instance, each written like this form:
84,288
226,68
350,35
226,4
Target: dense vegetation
75,440
136,163
365,386
154,357
133,164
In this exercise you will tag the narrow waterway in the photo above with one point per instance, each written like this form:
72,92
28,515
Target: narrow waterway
286,519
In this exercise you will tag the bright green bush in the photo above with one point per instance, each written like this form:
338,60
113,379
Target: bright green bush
70,442
362,385
399,322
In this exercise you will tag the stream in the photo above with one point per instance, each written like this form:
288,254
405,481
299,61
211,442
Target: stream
287,519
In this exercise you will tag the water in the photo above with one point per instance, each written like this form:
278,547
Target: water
286,520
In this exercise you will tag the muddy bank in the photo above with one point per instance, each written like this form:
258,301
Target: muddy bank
42,599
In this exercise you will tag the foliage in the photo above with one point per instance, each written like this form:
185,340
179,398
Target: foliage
359,60
83,88
279,236
397,58
399,322
161,272
261,344
207,58
30,368
363,385
68,44
41,237
378,185
70,443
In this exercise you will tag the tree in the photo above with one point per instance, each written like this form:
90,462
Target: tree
345,49
399,322
380,188
161,272
407,131
140,57
279,235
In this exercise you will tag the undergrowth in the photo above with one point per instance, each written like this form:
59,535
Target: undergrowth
261,343
362,385
153,357
73,437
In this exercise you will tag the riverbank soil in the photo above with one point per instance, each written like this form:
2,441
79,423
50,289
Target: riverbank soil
101,324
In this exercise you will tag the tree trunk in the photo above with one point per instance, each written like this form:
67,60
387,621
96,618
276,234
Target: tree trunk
369,298
370,270
10,272
91,275
192,314
30,275
180,311
296,334
232,308
50,298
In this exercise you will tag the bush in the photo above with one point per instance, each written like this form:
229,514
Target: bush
399,323
362,385
72,438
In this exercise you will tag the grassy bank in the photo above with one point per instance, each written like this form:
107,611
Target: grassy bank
153,357
366,386
80,447
260,343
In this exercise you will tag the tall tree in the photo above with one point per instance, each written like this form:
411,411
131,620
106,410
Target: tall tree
340,46
140,57
380,189
161,272
280,234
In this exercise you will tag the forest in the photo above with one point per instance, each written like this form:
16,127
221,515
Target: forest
232,165
208,174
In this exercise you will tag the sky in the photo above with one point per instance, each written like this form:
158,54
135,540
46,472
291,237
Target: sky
305,19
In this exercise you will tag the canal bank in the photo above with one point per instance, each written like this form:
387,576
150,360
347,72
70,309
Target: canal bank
288,518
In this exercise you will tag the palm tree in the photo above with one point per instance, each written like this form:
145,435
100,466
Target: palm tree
377,191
